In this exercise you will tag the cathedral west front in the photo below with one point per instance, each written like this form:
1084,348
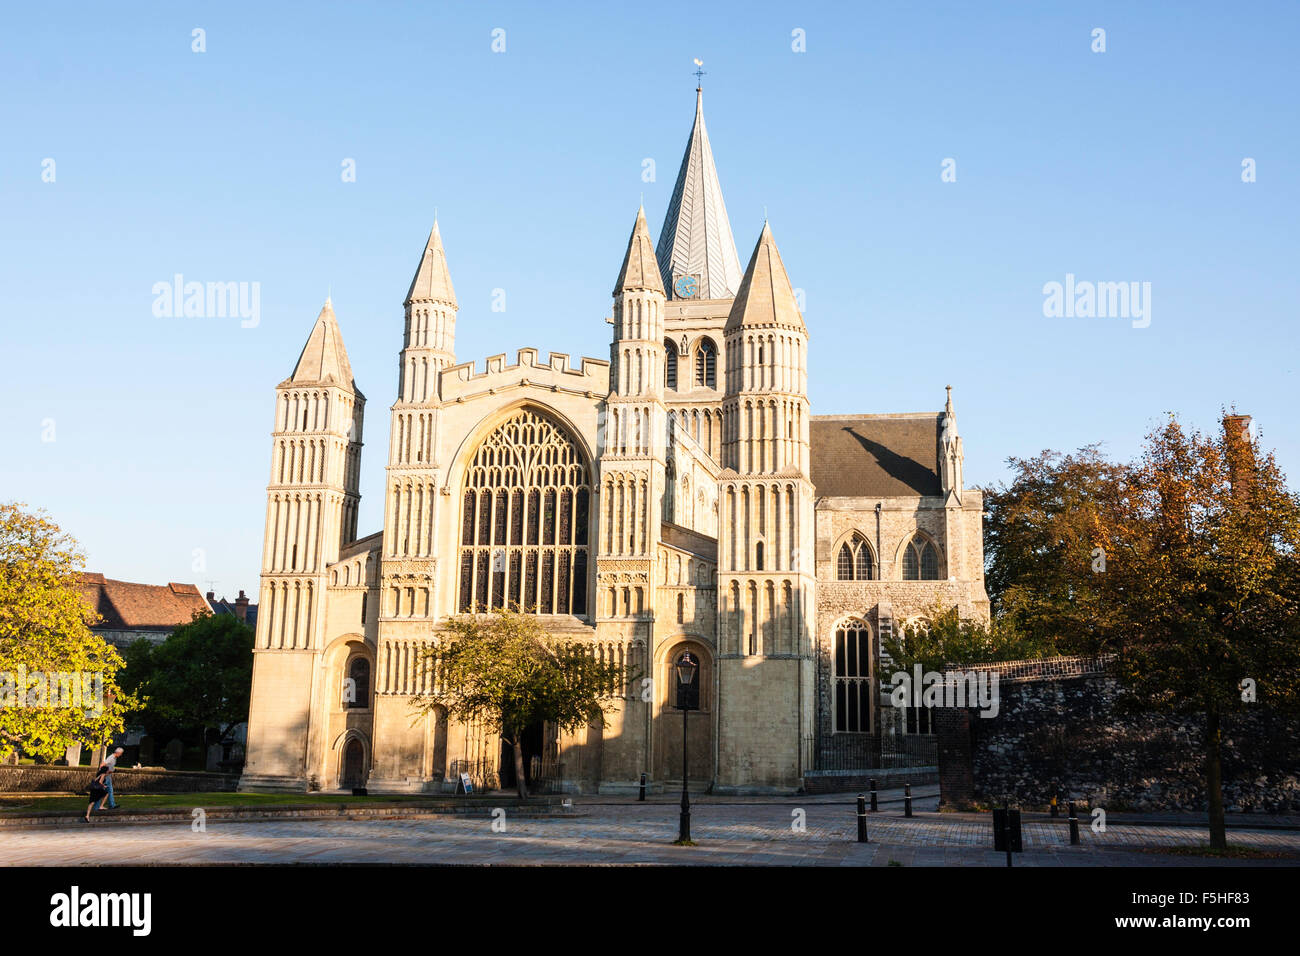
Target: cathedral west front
678,496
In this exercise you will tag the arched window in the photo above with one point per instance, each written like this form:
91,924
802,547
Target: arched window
670,365
852,678
524,521
758,556
359,672
920,561
854,560
706,364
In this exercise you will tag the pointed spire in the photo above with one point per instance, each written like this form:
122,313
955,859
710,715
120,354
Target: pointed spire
949,420
324,359
432,280
951,456
696,238
640,270
765,296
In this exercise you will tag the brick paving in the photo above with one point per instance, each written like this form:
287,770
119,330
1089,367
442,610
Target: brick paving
614,832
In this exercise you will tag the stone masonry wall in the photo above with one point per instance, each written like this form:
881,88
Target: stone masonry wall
1061,734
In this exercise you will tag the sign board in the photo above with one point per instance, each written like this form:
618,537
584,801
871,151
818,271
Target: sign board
467,785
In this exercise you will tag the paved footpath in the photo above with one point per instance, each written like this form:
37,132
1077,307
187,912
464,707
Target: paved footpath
749,832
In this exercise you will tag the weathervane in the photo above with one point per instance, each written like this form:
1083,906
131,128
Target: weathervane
699,72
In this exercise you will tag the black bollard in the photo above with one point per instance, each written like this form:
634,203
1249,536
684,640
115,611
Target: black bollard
907,799
862,819
874,806
1074,825
641,796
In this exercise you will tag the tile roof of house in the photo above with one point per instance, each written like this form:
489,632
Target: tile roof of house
876,456
125,605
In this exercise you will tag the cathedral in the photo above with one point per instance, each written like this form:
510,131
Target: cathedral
676,497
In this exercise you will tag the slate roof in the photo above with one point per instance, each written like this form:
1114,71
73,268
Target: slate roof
128,606
876,456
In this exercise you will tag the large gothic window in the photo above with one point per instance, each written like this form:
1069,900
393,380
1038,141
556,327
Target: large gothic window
524,517
706,364
854,560
920,561
852,678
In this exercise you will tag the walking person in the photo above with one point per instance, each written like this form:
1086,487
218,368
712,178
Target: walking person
98,788
111,764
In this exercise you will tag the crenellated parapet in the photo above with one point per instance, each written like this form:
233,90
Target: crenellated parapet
466,381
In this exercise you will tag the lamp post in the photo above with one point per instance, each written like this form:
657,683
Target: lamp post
687,692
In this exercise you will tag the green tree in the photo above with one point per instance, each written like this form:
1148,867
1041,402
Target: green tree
45,630
1042,533
946,639
1203,570
506,671
198,679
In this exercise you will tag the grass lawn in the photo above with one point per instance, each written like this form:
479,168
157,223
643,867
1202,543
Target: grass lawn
29,803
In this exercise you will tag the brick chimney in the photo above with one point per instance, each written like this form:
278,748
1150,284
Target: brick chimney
1240,450
212,597
241,606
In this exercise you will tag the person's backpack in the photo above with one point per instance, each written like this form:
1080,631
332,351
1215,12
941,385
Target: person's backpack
95,788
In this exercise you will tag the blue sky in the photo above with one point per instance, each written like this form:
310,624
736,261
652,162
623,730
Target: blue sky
225,166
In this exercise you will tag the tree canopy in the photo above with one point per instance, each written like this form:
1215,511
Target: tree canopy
49,657
200,678
506,671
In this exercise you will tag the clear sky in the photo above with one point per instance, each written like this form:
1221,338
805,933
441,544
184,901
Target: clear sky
226,165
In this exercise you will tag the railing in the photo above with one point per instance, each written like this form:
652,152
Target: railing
841,752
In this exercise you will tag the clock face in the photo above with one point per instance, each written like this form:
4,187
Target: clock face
686,287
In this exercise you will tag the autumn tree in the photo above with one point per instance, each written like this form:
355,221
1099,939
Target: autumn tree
47,651
1042,537
1202,573
506,671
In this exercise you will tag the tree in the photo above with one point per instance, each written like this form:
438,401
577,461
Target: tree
57,678
1202,547
199,678
506,671
946,639
1041,539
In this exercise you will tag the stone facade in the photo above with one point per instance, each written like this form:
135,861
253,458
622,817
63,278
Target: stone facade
664,500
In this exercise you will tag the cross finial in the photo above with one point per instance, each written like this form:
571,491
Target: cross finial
699,73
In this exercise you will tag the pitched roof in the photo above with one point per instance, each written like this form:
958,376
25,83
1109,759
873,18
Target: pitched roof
128,606
876,456
432,280
765,296
324,359
640,270
696,238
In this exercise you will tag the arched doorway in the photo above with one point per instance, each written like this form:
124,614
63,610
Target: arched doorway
354,765
668,723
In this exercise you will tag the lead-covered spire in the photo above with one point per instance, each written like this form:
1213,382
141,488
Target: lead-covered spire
696,242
